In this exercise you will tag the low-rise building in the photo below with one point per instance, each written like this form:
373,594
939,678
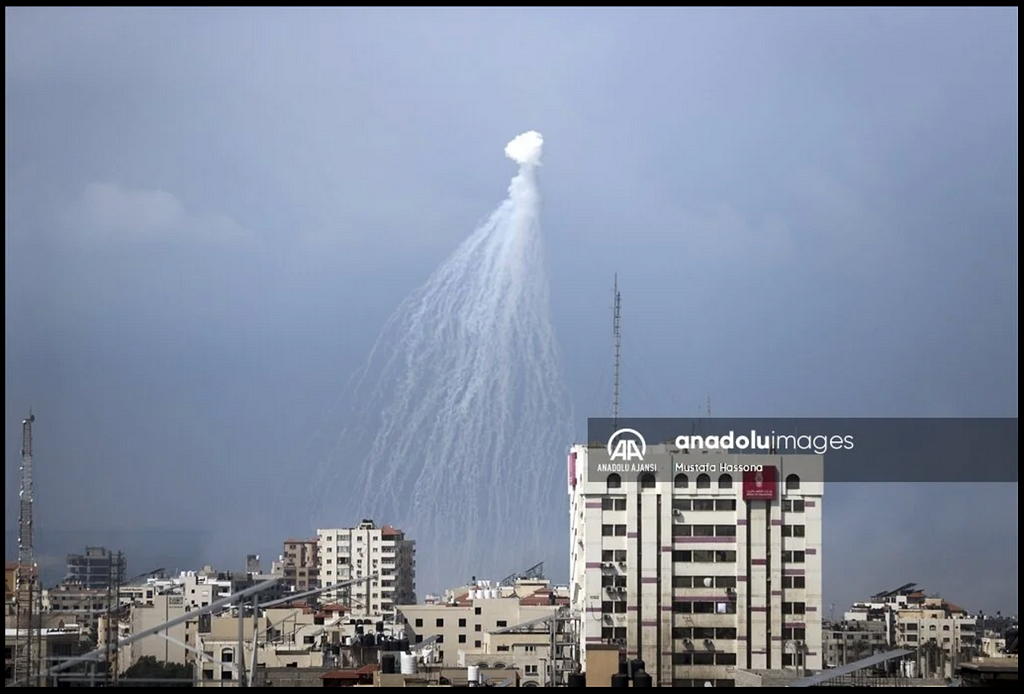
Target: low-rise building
490,626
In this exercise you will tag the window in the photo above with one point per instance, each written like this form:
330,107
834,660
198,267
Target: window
727,556
227,655
794,634
681,555
647,481
794,582
681,481
725,482
725,504
530,670
462,622
440,621
476,611
681,504
703,531
502,624
789,557
419,622
614,481
703,556
462,638
682,531
606,503
793,530
725,581
478,627
607,530
793,506
792,483
703,504
725,531
725,658
793,608
620,531
703,481
476,644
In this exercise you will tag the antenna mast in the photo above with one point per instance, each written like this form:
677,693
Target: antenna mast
26,571
617,334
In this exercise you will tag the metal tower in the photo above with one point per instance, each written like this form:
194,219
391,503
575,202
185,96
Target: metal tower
26,576
617,334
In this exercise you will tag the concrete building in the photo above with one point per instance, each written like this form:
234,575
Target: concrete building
363,551
490,626
50,645
158,610
847,642
696,564
300,565
97,568
943,634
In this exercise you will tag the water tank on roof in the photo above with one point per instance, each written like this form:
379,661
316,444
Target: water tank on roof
387,664
493,593
408,664
380,627
473,675
577,679
620,680
642,679
359,629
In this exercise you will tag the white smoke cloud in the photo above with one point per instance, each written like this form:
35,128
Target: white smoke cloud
525,149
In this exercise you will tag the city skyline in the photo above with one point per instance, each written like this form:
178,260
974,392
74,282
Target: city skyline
810,212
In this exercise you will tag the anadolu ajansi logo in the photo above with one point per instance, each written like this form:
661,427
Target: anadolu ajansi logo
626,445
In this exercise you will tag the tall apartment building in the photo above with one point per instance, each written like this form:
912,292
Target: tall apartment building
696,570
365,551
300,564
97,568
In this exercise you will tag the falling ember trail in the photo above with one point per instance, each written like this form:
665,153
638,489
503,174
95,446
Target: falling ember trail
460,419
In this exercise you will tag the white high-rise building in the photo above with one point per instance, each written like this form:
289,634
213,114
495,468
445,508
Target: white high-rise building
365,551
696,568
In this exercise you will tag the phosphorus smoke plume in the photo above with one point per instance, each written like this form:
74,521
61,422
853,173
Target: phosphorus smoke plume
460,419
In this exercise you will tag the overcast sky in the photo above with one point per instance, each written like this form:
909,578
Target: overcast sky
211,213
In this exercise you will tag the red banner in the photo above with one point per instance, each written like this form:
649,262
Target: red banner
572,470
761,485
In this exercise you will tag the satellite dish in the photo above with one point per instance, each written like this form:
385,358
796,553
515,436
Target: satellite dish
708,684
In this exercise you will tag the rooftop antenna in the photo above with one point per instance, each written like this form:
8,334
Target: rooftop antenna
617,334
709,405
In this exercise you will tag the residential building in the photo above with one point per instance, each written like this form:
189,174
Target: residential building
382,555
300,565
694,570
943,633
491,626
847,642
97,568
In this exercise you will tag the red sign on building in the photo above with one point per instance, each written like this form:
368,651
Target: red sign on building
761,485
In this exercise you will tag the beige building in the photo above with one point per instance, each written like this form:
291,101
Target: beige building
943,634
49,645
286,637
364,551
491,626
847,642
697,562
300,565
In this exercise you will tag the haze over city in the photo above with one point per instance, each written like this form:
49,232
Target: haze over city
212,213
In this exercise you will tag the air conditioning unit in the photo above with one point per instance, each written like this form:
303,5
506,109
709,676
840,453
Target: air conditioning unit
622,564
709,643
677,512
607,565
607,618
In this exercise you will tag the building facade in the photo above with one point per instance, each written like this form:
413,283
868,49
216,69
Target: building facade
97,568
300,565
490,626
363,552
699,573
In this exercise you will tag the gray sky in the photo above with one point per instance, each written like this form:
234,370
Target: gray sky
211,213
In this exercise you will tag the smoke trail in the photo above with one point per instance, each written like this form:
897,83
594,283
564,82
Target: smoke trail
461,420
